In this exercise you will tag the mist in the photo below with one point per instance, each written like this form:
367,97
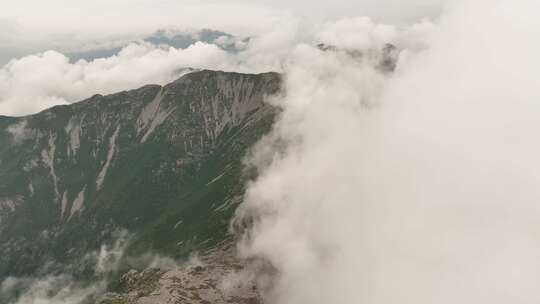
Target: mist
36,82
60,284
63,283
416,187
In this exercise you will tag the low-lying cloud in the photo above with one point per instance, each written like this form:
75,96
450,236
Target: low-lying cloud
63,284
36,82
416,187
32,78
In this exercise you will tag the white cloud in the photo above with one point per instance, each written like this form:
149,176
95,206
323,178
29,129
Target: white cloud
36,82
357,33
429,195
53,289
230,14
20,131
63,287
36,26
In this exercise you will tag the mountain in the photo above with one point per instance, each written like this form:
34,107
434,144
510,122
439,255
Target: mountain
166,37
163,163
183,40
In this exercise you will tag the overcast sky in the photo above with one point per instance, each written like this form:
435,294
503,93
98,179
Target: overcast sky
28,26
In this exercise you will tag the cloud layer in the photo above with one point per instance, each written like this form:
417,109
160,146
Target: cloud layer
416,187
35,82
30,83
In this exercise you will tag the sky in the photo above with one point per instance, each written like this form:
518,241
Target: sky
29,25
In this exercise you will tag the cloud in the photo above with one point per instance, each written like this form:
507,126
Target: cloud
413,187
64,288
57,284
40,75
357,33
43,27
98,22
36,82
228,15
20,131
47,290
416,187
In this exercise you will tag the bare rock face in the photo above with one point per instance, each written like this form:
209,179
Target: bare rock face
214,277
163,163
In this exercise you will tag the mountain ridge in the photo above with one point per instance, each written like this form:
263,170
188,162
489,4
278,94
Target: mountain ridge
148,160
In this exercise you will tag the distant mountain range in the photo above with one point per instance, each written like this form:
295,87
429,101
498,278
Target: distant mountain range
169,38
109,46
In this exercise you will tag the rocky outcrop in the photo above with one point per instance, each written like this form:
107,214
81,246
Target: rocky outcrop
213,277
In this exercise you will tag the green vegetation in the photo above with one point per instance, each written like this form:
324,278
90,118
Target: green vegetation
164,163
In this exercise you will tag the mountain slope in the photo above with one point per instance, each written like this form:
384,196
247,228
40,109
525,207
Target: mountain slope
163,163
